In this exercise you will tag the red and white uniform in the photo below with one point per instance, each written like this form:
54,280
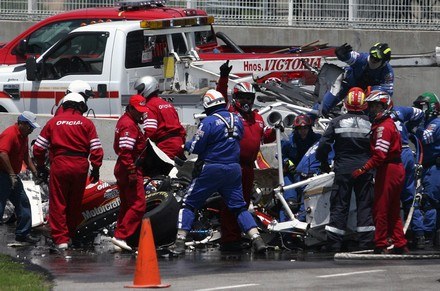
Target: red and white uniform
128,144
71,139
162,126
386,147
255,133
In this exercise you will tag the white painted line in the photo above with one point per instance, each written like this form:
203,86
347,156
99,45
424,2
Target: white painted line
351,273
229,287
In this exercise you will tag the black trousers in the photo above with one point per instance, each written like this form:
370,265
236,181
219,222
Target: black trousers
340,204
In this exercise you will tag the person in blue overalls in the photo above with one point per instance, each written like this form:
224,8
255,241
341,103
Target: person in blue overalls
365,69
406,119
293,150
430,137
217,144
309,166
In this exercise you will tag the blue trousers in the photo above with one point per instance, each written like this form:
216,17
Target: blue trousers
408,192
293,195
19,199
431,185
224,179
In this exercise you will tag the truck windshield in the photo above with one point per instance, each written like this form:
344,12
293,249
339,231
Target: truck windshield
43,38
46,36
80,54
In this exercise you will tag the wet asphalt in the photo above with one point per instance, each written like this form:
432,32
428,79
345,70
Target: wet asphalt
98,267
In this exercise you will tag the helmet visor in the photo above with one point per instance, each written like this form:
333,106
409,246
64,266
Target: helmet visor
422,105
245,96
375,58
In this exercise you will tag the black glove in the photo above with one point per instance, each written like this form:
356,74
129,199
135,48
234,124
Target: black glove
289,166
198,167
94,175
343,52
37,180
325,168
280,126
225,69
42,175
14,180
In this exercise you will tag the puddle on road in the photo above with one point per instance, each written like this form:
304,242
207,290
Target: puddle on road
98,261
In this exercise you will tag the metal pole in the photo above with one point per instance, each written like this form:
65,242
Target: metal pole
30,7
280,156
290,13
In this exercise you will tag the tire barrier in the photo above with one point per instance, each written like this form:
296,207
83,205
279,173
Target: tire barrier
369,255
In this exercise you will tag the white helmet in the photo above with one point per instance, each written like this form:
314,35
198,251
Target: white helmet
146,86
212,98
74,97
80,87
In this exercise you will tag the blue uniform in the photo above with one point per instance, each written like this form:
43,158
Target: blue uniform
430,137
219,149
307,167
406,118
294,149
359,74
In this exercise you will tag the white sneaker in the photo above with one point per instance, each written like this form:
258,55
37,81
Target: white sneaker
62,246
117,248
121,243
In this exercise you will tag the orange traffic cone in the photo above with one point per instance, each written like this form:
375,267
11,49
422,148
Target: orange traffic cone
147,274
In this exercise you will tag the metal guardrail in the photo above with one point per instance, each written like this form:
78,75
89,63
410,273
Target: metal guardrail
375,14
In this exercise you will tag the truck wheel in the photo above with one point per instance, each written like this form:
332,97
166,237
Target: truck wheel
162,210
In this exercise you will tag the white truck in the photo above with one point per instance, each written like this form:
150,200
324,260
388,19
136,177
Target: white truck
112,55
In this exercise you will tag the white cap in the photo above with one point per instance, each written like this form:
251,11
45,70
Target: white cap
30,118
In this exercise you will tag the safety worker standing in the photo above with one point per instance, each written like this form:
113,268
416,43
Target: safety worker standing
161,125
71,140
364,69
255,133
293,150
14,150
128,144
386,149
350,136
217,144
429,134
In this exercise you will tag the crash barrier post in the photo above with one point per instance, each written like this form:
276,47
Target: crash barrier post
147,273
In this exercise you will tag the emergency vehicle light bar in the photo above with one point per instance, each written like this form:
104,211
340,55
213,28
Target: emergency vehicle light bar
177,22
129,5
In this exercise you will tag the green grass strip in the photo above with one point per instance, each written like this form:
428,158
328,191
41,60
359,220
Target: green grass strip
15,275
